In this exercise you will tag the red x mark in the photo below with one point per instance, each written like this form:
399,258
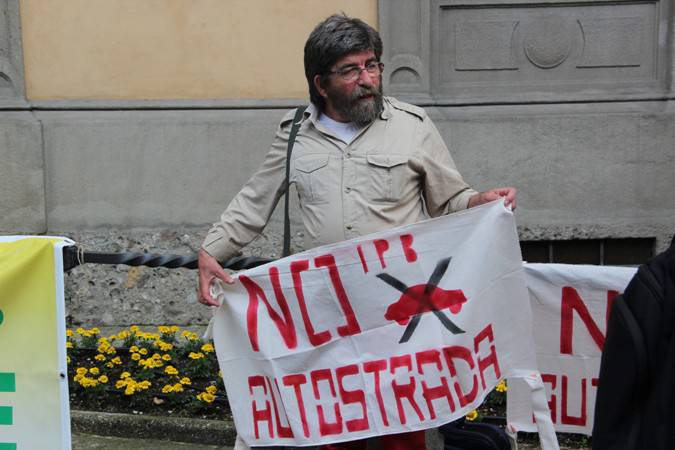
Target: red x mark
421,298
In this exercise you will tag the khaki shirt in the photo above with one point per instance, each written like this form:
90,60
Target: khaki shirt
396,171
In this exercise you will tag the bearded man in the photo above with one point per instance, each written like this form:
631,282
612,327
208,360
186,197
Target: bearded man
361,163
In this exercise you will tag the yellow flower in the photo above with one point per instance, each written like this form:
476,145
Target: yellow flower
178,387
167,388
190,335
68,359
143,351
207,348
194,355
122,335
129,390
80,331
156,356
87,382
501,387
135,356
69,333
171,370
144,384
125,375
166,357
134,328
150,363
116,360
133,349
95,330
94,371
120,384
206,397
164,329
69,344
211,390
185,380
81,371
163,346
473,415
174,328
100,358
103,379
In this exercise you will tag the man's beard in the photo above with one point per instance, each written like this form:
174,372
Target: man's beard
354,107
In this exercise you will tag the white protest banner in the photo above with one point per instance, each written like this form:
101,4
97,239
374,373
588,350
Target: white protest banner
570,308
397,331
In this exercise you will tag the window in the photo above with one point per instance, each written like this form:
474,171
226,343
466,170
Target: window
614,252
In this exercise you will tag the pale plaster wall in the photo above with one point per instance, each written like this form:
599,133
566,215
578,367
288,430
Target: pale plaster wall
171,49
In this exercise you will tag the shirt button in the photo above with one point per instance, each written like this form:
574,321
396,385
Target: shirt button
348,189
349,154
349,227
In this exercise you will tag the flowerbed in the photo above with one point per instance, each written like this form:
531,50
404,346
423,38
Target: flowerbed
168,372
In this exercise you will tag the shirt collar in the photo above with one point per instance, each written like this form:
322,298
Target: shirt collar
386,109
312,113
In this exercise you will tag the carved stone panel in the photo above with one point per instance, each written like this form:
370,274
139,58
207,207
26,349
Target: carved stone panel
503,50
404,26
11,64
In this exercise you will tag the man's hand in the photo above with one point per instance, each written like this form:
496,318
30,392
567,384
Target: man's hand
209,269
509,194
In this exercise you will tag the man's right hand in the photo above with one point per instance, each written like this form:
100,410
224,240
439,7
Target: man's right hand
209,269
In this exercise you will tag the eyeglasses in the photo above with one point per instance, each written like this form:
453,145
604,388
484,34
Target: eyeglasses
352,73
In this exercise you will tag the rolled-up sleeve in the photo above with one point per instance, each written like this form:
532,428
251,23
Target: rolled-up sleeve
250,210
444,189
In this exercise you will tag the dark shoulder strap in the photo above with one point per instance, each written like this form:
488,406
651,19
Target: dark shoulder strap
289,150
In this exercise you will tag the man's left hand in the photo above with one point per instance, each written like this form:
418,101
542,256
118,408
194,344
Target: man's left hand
508,193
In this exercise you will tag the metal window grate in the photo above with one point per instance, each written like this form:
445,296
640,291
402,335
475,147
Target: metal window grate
615,252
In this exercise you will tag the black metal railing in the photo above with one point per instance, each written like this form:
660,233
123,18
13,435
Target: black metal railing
73,256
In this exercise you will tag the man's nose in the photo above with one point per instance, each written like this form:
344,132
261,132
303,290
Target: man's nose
365,79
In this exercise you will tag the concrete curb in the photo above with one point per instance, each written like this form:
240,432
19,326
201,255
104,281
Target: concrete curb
179,429
192,431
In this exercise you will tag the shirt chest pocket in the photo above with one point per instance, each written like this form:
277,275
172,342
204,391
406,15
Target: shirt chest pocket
311,178
387,174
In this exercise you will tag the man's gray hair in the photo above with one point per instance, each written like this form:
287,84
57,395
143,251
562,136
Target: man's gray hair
335,37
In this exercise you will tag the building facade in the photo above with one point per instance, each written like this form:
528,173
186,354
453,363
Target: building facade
130,125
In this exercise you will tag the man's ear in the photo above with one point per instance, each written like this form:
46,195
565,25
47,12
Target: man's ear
319,87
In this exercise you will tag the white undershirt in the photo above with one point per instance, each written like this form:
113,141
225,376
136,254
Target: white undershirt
345,131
